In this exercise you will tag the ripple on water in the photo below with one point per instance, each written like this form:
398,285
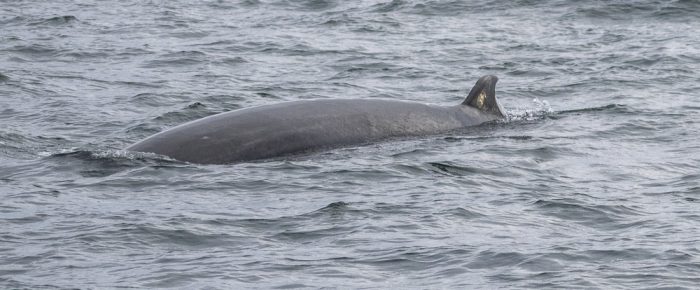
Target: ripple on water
391,6
310,5
34,50
490,259
456,170
632,10
55,21
191,112
178,59
603,217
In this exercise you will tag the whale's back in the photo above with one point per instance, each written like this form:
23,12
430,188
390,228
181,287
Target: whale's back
312,125
297,127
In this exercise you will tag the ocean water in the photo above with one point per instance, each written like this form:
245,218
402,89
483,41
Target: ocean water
592,182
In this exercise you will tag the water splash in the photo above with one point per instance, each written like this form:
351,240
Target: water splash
541,109
128,155
59,152
108,155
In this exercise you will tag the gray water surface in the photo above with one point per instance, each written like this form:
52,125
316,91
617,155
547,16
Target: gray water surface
592,182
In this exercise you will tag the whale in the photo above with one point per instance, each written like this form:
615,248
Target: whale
306,126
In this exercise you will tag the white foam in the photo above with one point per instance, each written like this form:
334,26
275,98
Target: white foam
541,109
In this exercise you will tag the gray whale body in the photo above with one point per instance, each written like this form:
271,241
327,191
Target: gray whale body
305,126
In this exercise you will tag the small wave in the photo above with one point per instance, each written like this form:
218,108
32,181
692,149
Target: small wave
616,11
339,20
313,234
161,235
250,2
679,10
490,259
80,55
27,146
193,111
225,100
179,58
190,34
152,85
625,10
464,213
13,20
324,222
394,5
597,216
4,78
296,50
233,60
155,100
34,50
58,20
456,170
312,5
613,108
332,210
450,8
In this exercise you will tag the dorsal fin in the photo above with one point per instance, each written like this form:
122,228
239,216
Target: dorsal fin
483,96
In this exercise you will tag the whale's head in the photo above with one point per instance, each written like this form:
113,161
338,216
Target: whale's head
483,97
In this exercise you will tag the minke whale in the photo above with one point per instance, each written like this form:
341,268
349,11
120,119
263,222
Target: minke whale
298,127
